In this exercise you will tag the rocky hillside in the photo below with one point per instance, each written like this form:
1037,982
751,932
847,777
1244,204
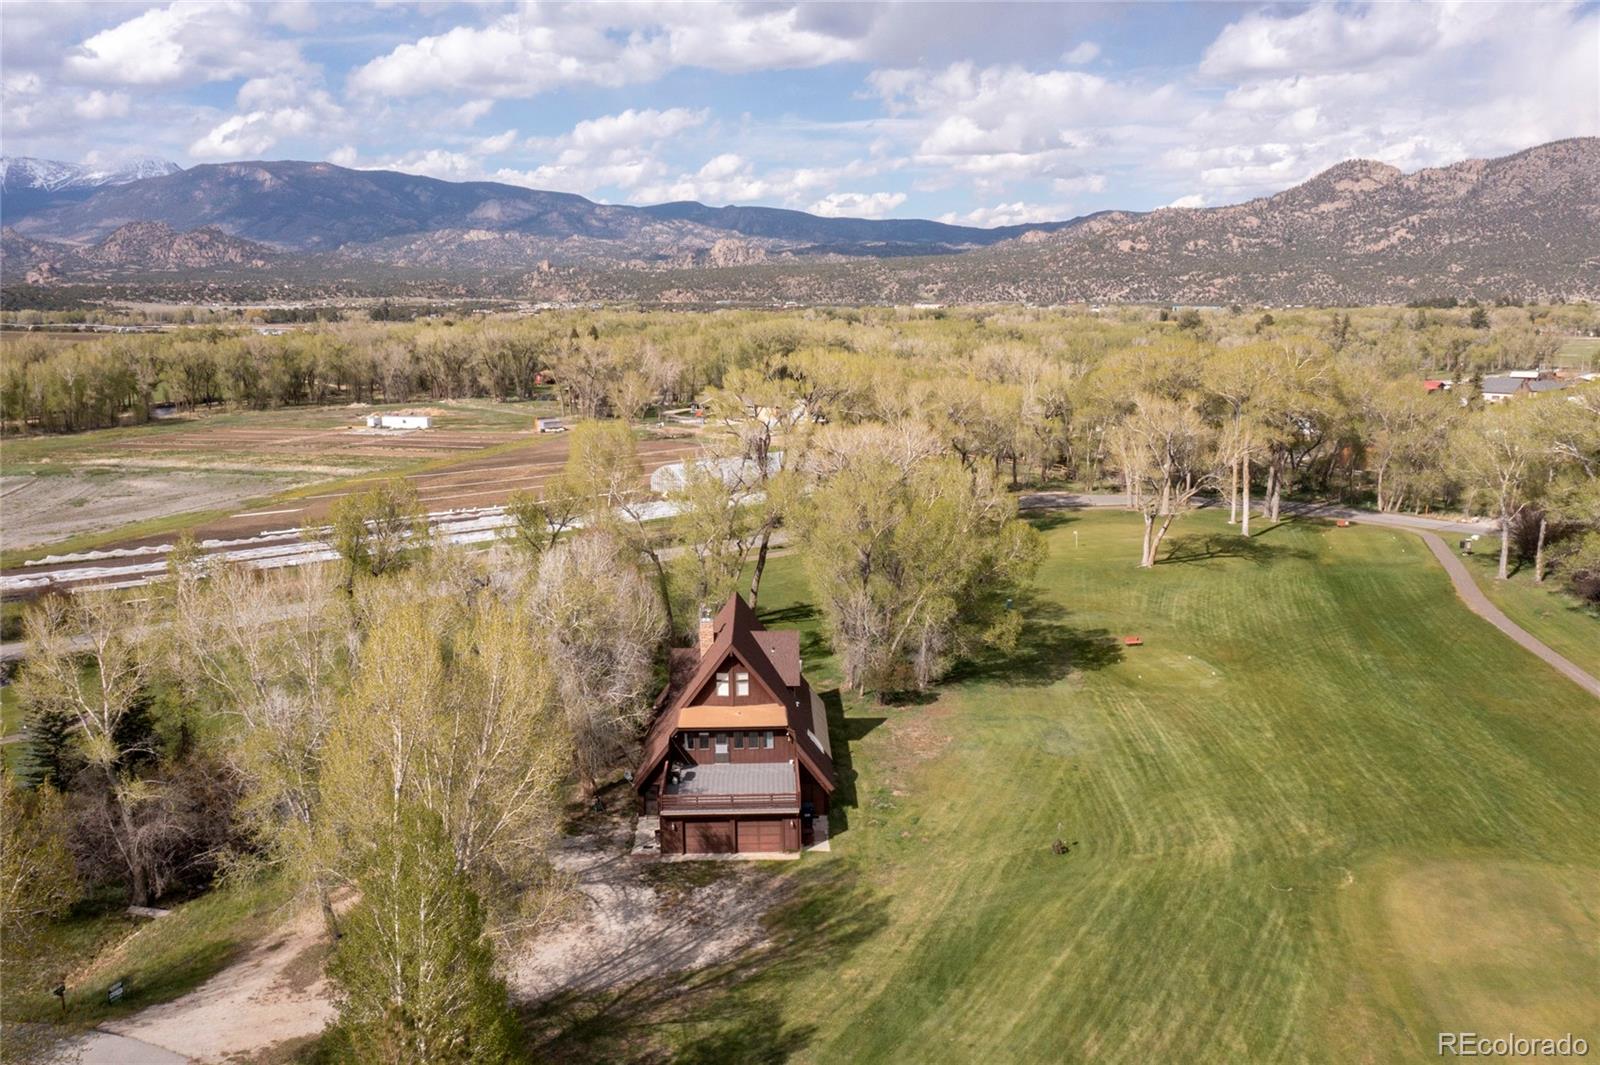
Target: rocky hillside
1526,225
135,248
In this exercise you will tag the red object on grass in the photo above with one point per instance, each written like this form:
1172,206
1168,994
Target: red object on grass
1133,641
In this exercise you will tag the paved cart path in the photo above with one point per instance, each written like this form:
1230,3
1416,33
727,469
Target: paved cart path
1479,604
1427,528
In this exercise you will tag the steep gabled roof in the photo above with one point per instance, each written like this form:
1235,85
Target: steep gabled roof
737,632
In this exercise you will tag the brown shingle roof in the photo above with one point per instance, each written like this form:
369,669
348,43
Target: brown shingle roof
736,631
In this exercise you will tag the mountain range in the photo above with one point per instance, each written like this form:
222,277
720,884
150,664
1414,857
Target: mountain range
28,185
1527,224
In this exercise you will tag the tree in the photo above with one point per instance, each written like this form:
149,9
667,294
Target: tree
598,624
270,649
373,530
913,557
88,661
1495,454
37,885
538,521
451,706
1479,319
717,525
604,474
1164,449
414,970
1405,432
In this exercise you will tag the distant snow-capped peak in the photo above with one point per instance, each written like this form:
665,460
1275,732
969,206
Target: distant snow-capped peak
22,172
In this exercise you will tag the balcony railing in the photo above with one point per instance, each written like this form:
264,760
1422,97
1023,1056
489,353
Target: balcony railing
771,800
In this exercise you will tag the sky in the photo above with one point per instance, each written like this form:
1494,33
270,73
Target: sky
983,114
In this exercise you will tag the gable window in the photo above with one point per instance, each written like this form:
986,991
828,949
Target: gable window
738,741
705,741
768,738
722,684
741,682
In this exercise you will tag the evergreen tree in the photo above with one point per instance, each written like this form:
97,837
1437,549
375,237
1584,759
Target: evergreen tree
47,753
413,968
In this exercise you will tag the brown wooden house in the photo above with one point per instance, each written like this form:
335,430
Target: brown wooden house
737,758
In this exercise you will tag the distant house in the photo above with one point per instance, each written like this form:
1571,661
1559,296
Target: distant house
1506,386
1434,385
549,425
399,421
737,759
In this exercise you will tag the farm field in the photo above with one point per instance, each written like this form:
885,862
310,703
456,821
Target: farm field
1322,814
246,474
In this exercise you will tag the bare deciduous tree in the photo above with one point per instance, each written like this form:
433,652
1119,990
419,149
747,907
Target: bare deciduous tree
1164,449
599,624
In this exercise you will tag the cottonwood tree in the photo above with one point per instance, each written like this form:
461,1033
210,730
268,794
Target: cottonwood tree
1405,437
1165,452
912,556
270,649
717,525
450,706
413,973
537,521
37,885
377,530
1496,454
597,623
604,474
89,661
1567,490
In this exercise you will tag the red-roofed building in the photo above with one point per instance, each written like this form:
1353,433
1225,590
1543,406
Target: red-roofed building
737,758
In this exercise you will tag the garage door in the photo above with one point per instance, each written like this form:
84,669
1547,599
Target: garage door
707,837
762,836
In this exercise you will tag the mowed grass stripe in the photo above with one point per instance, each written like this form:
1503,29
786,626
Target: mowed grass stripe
1302,724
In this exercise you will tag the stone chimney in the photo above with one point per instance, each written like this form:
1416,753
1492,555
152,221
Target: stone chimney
707,634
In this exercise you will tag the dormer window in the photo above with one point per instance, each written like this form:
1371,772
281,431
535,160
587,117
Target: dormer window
741,683
722,684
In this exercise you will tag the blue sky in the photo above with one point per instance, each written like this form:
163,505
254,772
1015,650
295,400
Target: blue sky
986,114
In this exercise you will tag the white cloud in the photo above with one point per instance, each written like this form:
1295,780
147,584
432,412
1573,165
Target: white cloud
434,163
344,155
270,109
1005,124
97,106
496,144
1193,200
201,41
857,204
632,129
1007,214
1081,54
538,48
469,112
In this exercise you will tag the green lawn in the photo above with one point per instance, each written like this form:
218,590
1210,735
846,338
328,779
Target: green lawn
156,960
1568,625
1324,813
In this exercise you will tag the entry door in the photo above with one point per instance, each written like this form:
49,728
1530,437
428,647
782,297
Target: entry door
722,747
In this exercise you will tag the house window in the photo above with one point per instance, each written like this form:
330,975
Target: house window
705,741
722,684
738,741
741,683
768,744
